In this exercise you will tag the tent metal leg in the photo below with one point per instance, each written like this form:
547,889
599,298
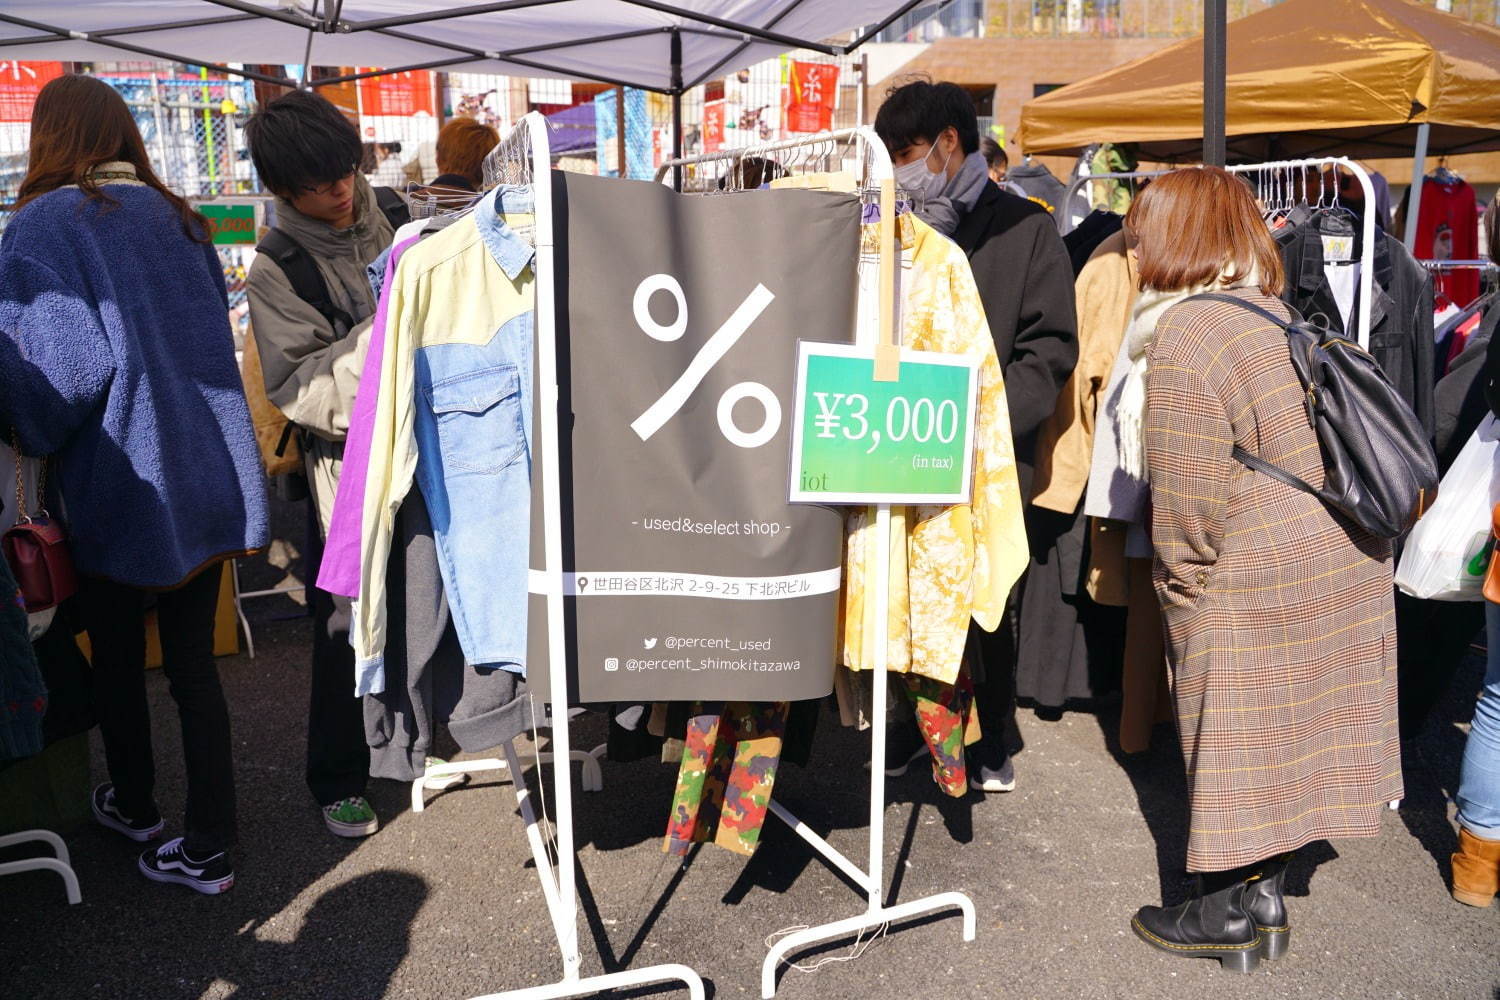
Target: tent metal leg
676,56
1414,197
1215,66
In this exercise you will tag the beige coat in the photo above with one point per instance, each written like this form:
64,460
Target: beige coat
311,366
1280,620
1105,291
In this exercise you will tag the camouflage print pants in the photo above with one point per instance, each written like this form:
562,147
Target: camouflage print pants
728,768
948,722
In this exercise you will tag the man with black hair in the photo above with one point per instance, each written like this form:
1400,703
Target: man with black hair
310,309
1025,282
996,157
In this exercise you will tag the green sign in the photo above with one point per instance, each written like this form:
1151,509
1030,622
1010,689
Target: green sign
858,441
231,223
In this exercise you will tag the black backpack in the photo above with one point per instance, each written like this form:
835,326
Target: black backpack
1380,470
307,281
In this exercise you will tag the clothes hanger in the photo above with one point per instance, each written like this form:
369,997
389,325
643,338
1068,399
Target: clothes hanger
432,201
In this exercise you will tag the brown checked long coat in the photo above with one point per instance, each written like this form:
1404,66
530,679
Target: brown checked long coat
1279,613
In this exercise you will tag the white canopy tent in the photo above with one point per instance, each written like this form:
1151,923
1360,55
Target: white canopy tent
649,44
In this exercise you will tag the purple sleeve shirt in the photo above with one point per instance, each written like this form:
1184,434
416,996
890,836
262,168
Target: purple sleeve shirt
339,573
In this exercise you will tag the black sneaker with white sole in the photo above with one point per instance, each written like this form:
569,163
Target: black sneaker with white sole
108,814
988,775
172,863
903,745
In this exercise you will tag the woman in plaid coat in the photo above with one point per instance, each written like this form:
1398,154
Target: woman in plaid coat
1279,612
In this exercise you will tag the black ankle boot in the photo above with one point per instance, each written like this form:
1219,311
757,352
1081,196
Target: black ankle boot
1267,907
1213,925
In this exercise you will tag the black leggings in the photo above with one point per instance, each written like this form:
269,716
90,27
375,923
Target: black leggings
114,615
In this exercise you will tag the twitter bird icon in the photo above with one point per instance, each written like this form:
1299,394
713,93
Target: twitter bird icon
649,643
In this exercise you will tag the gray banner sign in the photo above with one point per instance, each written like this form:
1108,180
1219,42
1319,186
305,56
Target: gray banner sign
688,575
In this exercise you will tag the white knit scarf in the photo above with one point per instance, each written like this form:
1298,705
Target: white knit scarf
1150,306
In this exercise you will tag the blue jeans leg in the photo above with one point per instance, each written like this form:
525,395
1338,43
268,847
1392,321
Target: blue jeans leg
1479,784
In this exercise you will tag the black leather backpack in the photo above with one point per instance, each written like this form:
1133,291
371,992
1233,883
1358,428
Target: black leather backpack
1380,470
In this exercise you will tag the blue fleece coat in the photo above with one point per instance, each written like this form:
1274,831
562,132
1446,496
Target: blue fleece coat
117,358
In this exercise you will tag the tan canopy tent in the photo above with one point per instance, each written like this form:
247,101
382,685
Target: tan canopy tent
1305,78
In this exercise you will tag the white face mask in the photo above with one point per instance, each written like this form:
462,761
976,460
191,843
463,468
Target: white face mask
915,179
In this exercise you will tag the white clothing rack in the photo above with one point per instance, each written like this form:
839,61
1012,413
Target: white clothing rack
1276,176
593,776
523,157
1065,221
1460,265
241,596
830,151
1272,170
62,863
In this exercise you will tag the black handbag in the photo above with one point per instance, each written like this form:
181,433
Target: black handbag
1379,466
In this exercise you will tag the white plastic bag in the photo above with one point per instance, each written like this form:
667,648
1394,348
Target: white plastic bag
1447,553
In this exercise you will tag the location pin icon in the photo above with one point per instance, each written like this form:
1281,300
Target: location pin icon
583,583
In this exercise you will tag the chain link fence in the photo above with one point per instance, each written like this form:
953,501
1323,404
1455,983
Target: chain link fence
193,129
630,131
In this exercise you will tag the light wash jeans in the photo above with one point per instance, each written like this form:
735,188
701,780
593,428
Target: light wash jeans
1479,785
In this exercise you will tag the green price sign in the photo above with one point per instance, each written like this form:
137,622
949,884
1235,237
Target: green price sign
231,223
859,441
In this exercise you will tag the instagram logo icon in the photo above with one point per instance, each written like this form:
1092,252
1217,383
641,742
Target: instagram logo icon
611,664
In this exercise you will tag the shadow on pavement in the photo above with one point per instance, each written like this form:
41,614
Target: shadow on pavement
313,964
1160,787
1431,764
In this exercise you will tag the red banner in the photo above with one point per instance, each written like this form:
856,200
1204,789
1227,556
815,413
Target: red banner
20,82
713,126
811,91
399,94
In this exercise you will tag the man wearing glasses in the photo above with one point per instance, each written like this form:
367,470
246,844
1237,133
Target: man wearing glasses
310,309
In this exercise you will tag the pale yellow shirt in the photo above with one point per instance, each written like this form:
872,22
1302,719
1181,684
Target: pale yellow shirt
948,564
448,289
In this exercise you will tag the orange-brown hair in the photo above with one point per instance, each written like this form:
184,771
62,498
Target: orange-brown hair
1195,224
462,146
79,123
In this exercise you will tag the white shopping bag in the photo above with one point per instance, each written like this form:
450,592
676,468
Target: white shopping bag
1448,551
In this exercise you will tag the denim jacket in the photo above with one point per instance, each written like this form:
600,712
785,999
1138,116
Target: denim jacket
454,415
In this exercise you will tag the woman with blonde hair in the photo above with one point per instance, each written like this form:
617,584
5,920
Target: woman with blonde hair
1278,610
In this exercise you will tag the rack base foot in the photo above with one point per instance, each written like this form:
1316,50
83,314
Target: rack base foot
592,777
613,981
874,918
62,863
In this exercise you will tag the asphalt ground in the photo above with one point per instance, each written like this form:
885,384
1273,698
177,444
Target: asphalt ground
446,904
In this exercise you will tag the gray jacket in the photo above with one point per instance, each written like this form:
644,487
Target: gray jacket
312,366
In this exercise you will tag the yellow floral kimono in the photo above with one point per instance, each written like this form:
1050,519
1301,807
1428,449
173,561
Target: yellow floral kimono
948,564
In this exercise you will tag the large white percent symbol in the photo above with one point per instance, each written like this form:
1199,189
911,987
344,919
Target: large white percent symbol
725,337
